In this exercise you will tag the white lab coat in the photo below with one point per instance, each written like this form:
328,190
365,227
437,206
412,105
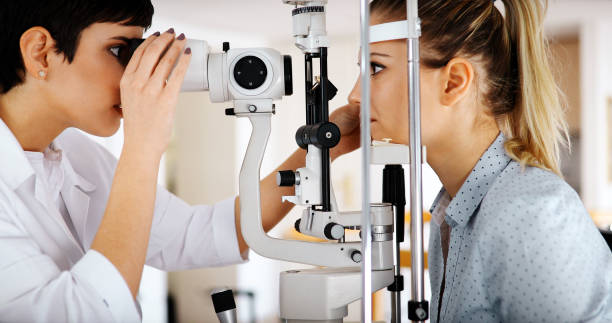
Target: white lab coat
46,275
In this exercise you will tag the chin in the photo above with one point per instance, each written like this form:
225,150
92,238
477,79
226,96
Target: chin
375,132
103,130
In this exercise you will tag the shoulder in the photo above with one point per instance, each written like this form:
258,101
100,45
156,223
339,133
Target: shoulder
532,194
536,207
535,236
538,210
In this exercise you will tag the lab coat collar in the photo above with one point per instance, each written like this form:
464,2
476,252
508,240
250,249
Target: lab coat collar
16,168
468,198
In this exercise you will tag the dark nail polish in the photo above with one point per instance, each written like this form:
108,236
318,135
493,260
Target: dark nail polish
181,37
171,30
157,33
188,51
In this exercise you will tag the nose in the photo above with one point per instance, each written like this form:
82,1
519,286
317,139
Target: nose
355,95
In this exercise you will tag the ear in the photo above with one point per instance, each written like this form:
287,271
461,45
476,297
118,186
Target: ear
457,77
36,44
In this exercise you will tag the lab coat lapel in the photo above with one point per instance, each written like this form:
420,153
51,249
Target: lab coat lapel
77,204
75,195
46,230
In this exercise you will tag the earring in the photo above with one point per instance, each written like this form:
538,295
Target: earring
42,73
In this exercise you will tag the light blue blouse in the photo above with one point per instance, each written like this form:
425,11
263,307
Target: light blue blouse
522,249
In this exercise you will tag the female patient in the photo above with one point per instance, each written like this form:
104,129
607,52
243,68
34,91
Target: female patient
77,226
511,241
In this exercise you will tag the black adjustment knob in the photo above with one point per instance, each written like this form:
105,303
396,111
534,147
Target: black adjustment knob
333,231
322,135
285,178
226,46
418,311
394,192
230,112
297,225
250,72
356,256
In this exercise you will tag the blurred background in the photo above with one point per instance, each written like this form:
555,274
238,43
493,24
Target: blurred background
202,164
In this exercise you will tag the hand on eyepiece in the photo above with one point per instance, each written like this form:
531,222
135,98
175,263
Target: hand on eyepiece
347,119
149,93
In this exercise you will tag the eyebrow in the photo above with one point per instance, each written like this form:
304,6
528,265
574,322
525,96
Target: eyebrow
379,54
372,54
125,39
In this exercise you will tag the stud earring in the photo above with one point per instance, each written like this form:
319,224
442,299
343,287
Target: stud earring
42,73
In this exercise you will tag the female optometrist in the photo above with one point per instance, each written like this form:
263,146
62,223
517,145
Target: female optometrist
510,240
76,225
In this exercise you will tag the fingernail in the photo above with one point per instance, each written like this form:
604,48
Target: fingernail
181,37
188,51
157,33
171,30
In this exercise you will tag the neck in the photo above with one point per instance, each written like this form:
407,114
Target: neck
454,159
31,120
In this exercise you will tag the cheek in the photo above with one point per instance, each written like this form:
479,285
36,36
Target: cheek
97,81
432,112
86,91
390,108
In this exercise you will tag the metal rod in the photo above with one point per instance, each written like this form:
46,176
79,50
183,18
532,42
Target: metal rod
416,189
416,202
366,235
396,296
323,83
309,101
325,177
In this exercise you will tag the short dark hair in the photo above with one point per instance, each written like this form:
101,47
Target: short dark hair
65,20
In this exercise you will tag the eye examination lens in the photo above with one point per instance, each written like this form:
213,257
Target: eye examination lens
125,53
250,72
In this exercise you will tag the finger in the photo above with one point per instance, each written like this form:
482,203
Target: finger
151,56
168,61
135,60
176,79
353,112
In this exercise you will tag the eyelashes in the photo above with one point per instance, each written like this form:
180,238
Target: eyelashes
120,52
115,50
376,68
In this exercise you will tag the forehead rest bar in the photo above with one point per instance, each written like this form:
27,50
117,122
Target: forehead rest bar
389,31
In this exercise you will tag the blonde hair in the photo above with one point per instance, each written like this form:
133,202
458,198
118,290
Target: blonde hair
519,88
536,127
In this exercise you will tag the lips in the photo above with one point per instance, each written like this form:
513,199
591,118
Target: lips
117,108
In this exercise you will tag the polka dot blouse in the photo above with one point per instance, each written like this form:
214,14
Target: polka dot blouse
522,249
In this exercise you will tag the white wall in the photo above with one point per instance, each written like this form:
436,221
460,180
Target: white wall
596,65
202,172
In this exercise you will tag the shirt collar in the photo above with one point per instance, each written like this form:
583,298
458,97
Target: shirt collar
476,186
71,176
16,168
438,213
